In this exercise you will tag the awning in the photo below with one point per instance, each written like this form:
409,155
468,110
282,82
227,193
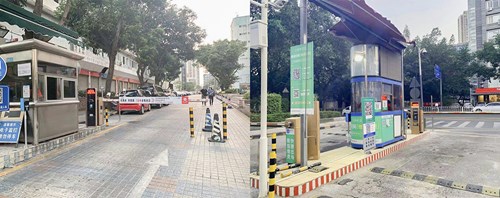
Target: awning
362,25
16,15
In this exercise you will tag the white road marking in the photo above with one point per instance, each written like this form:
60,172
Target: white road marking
439,122
449,124
154,164
463,124
479,125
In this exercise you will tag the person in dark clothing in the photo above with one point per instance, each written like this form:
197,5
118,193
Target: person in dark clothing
204,94
211,94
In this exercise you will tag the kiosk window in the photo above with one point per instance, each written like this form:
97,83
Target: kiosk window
15,82
53,88
41,88
69,89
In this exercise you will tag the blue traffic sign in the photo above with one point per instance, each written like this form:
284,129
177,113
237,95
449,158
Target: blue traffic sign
9,131
4,98
3,68
437,71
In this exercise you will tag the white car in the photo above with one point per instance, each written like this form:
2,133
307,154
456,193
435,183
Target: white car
346,110
490,107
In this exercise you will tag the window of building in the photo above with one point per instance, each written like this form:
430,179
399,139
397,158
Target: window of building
492,4
495,18
490,34
364,56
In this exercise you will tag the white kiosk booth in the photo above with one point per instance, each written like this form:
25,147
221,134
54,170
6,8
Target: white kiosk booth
52,75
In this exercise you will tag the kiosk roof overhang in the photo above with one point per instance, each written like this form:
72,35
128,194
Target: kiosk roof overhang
41,45
362,25
16,15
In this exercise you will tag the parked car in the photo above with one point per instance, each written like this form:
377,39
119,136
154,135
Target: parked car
141,108
490,107
153,91
346,110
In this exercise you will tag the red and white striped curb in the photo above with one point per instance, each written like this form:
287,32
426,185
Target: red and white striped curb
287,191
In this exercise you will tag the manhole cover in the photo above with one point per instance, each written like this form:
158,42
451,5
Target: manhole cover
344,181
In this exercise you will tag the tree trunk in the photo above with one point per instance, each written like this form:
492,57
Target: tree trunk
65,13
112,55
140,73
38,7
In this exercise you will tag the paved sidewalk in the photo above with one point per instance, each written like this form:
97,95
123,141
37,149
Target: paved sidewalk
148,156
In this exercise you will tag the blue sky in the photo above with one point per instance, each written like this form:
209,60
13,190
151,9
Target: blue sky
422,15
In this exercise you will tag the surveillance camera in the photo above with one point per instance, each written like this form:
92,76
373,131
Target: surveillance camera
279,3
424,51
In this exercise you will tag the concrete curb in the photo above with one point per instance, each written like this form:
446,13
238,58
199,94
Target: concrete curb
10,160
257,136
287,191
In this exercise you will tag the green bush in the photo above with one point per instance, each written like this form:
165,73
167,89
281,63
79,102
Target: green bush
231,91
329,114
285,105
273,103
246,96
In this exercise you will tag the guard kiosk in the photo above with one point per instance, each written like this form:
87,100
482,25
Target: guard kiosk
51,75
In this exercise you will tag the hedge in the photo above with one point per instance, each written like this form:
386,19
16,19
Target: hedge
273,103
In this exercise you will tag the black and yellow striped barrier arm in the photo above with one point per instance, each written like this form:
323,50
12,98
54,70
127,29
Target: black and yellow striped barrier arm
191,121
485,190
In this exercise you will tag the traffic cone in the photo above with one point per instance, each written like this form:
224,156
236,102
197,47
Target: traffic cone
208,122
216,133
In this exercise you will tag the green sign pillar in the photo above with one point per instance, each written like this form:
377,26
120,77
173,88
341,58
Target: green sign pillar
302,79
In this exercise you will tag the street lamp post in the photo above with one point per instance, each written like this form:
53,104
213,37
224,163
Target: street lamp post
421,51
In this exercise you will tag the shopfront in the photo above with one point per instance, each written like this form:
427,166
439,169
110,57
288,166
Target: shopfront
487,95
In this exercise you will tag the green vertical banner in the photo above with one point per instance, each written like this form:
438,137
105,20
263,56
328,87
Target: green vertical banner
290,146
302,79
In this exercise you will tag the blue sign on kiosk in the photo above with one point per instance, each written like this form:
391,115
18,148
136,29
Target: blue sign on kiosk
4,98
3,68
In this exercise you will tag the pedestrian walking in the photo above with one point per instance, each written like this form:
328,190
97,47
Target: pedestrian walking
204,94
211,94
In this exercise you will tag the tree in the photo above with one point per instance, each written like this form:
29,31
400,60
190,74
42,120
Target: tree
331,54
490,54
106,25
221,60
38,7
457,67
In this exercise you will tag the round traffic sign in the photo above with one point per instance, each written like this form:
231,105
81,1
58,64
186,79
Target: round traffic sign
3,68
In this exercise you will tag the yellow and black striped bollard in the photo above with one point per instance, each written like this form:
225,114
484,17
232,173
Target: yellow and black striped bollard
107,117
224,120
191,121
272,174
273,143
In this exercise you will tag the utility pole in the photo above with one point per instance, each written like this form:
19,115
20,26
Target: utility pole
303,117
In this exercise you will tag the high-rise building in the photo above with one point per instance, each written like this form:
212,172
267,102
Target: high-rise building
240,31
483,25
463,31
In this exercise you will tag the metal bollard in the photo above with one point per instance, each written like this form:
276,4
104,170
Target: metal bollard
224,120
273,143
272,174
107,117
191,121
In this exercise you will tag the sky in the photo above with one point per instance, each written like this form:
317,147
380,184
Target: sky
216,16
422,16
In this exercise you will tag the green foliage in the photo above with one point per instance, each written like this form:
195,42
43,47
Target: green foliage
273,103
231,91
490,54
285,105
246,96
331,54
457,67
189,86
221,60
329,114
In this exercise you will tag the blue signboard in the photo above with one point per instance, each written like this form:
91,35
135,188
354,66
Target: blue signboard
3,68
4,98
437,71
9,131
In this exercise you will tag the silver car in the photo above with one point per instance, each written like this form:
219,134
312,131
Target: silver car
490,107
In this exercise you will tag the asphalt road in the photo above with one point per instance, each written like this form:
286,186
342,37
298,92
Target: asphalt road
468,153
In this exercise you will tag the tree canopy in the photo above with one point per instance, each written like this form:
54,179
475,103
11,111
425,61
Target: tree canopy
221,60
